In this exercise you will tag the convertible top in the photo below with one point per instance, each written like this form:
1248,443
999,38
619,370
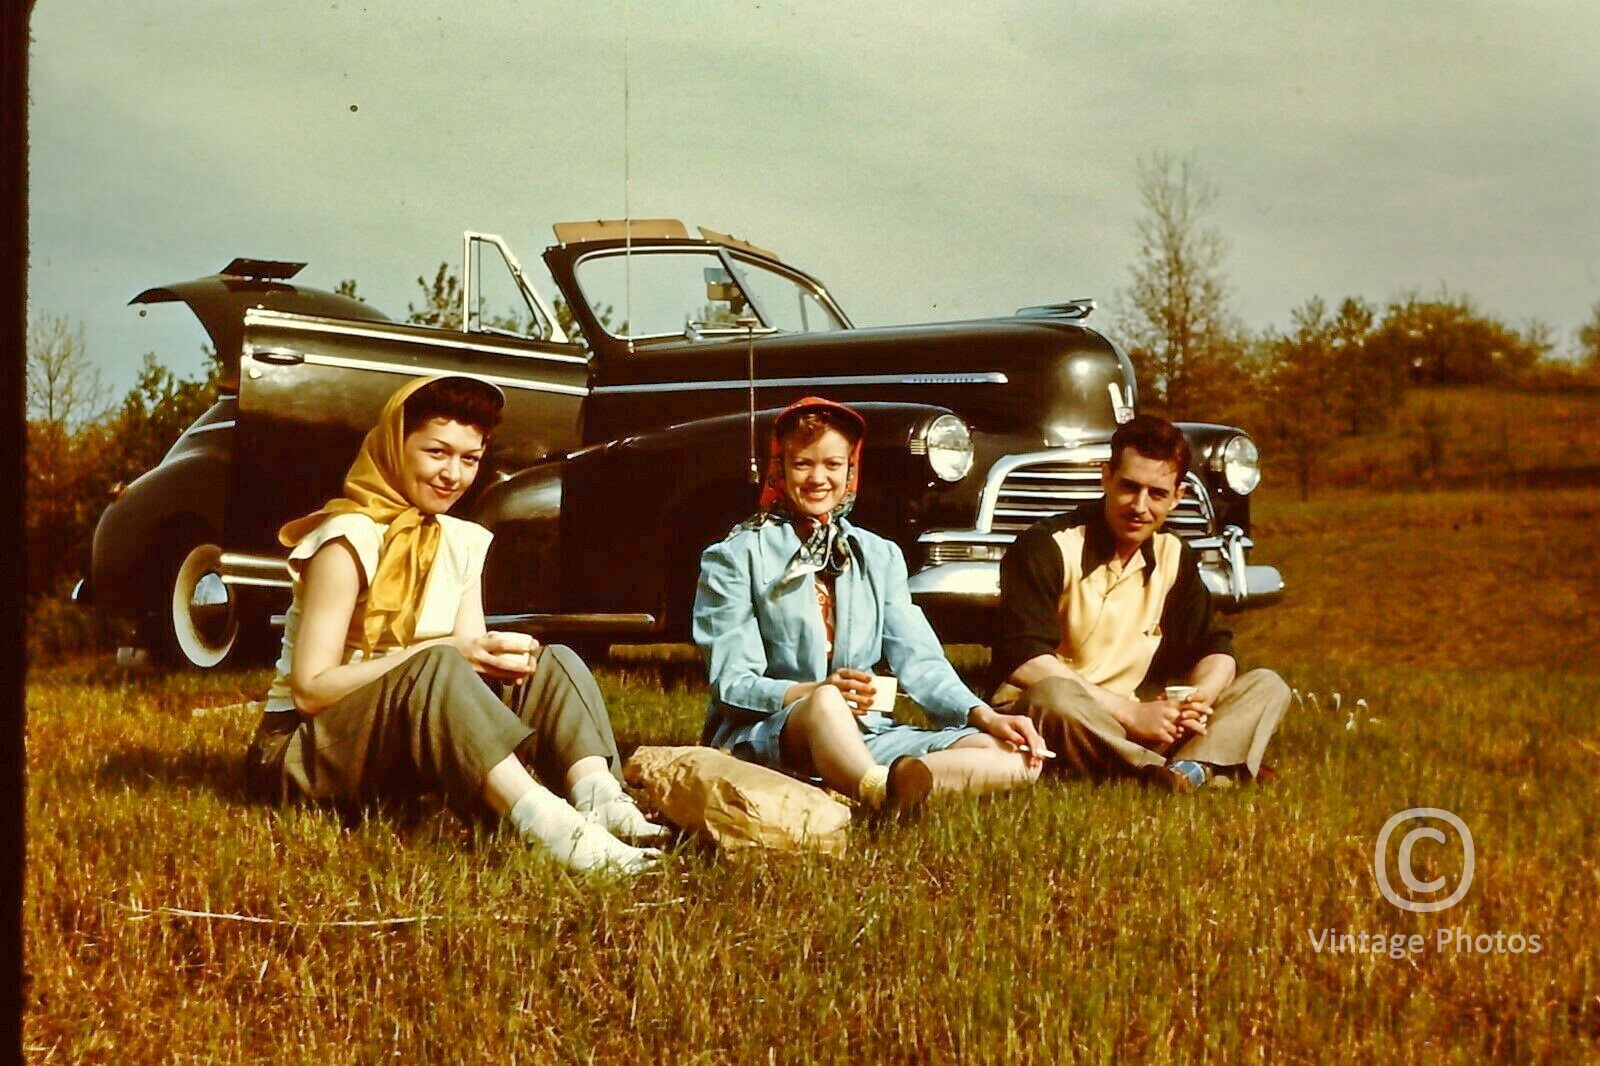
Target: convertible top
603,230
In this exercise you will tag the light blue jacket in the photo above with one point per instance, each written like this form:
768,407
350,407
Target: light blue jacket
759,639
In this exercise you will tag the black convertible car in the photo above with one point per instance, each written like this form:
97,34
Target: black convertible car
633,435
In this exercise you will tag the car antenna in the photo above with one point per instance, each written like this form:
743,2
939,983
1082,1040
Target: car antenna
627,177
749,324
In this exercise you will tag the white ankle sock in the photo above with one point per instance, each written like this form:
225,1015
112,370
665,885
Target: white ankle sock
587,793
601,800
544,818
873,788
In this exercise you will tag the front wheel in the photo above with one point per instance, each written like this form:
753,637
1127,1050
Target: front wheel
194,618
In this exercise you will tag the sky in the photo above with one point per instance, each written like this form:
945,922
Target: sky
926,161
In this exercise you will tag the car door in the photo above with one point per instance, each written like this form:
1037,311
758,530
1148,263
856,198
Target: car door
310,388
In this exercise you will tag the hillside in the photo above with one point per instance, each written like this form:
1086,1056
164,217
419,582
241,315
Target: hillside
1469,435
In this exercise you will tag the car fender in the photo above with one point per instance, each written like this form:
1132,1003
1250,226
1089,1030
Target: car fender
188,489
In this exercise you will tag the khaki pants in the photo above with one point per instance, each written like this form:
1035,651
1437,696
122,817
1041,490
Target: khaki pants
432,724
1088,742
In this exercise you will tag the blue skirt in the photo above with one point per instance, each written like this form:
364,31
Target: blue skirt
757,740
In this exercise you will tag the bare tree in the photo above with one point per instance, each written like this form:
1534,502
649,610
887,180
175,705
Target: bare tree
64,387
65,397
1174,317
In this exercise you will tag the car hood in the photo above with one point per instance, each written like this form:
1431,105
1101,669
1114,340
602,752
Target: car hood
220,301
1041,375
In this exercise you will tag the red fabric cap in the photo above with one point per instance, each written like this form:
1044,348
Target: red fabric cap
772,486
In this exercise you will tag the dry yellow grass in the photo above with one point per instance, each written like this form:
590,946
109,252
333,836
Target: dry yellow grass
1469,580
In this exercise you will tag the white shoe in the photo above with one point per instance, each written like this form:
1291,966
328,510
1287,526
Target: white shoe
595,851
621,817
545,820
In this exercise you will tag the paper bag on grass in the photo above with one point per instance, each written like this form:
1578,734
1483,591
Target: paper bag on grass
735,804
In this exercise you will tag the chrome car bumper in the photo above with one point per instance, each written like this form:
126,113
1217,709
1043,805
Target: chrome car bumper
977,584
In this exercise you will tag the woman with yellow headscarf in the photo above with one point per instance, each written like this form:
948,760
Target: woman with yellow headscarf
383,686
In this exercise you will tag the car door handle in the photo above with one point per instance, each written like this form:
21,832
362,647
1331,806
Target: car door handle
281,356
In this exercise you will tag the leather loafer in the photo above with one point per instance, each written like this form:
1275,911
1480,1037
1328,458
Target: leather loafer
910,782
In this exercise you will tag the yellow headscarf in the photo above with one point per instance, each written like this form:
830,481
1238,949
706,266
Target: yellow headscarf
394,598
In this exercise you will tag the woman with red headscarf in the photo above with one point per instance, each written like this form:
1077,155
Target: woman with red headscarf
797,607
381,688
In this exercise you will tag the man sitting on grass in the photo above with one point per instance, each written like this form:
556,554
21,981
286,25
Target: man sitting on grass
1097,606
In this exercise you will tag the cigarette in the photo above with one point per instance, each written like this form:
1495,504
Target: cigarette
1044,753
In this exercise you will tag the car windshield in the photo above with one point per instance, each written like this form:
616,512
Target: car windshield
683,292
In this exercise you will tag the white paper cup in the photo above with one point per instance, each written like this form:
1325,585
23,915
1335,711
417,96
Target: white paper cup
1179,693
885,688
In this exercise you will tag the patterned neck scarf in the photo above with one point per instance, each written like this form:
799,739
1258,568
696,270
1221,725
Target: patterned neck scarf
821,546
410,544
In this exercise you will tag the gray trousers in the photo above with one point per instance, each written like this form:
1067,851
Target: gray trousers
432,724
1088,742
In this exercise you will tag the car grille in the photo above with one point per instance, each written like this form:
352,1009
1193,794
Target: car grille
1038,490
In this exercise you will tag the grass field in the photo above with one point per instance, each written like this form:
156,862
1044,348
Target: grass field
1066,923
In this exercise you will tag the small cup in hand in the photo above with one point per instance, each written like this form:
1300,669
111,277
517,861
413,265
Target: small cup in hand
884,689
1179,693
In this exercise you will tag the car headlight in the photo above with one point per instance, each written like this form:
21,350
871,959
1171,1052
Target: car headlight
948,445
1241,465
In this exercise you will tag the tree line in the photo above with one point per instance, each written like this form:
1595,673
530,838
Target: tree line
1339,370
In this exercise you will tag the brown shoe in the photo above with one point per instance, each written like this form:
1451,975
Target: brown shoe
1266,775
910,782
